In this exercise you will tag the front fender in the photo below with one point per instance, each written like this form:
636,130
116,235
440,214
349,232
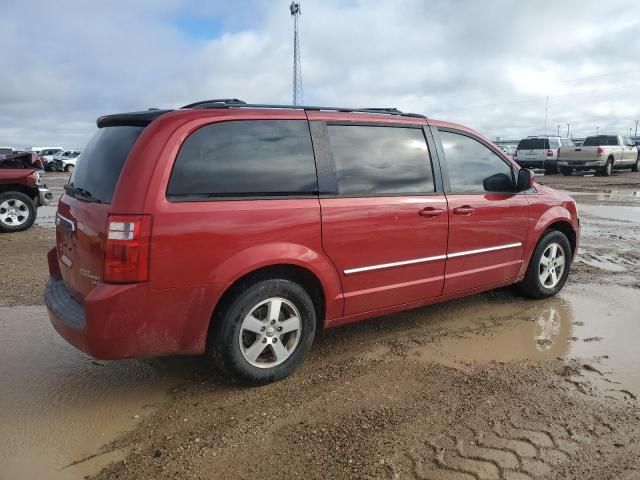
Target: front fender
283,253
540,224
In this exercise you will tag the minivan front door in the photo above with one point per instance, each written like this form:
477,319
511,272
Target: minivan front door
384,226
487,227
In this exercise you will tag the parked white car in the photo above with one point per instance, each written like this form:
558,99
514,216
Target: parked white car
64,162
541,152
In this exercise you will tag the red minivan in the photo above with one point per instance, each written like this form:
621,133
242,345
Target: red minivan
237,230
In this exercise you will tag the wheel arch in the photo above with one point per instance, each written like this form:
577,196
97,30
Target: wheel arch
18,187
289,271
556,218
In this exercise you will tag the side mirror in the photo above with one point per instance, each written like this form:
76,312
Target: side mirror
500,182
525,179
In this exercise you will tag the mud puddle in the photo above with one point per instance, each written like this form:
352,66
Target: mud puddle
57,406
597,326
613,212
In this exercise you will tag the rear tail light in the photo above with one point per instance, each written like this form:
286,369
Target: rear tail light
600,151
127,249
558,152
549,153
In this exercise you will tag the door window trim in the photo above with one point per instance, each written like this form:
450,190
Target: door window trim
445,169
326,167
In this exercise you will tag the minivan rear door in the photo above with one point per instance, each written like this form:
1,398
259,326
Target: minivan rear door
82,214
384,224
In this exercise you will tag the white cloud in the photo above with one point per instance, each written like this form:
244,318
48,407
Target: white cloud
488,65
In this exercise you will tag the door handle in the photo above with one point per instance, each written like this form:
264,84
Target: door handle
464,210
431,212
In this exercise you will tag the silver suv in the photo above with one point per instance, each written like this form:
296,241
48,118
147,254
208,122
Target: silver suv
541,151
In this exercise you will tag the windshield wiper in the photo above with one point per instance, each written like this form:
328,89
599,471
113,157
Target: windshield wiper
85,194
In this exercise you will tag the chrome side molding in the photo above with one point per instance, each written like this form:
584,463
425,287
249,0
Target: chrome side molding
431,259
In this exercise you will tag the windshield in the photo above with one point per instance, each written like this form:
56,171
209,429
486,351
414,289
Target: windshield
600,140
102,161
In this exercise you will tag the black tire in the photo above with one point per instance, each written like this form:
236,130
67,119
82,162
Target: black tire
636,166
531,285
567,172
68,168
10,199
225,338
551,170
607,169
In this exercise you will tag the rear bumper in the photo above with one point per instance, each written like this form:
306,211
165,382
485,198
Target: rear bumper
536,163
582,163
133,320
66,315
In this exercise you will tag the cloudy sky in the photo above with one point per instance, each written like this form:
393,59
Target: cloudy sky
487,64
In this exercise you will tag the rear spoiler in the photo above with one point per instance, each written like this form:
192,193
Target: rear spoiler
132,119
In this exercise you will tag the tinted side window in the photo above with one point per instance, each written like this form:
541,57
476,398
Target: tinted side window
471,164
378,160
246,158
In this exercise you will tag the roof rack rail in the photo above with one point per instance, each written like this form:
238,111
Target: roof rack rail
216,101
241,104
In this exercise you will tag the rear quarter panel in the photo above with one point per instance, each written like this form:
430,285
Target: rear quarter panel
216,242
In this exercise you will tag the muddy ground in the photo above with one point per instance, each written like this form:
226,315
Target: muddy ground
492,386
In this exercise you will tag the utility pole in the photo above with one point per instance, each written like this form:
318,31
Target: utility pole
597,130
558,129
636,129
568,125
546,113
294,8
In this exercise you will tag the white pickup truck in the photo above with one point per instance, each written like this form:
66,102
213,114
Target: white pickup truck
600,152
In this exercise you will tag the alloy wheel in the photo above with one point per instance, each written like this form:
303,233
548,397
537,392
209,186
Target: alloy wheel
270,332
552,265
13,212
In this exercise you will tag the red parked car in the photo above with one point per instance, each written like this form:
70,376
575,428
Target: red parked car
238,230
21,192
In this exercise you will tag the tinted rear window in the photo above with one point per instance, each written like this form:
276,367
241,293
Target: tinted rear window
600,140
533,144
102,160
246,158
380,160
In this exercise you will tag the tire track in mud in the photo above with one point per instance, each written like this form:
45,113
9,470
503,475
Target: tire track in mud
515,449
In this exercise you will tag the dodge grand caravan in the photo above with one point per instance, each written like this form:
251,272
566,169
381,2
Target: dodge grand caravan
238,230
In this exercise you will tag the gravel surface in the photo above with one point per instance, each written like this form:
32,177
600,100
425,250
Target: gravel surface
410,395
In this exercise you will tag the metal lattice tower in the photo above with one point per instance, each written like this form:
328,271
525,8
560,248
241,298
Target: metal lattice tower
297,67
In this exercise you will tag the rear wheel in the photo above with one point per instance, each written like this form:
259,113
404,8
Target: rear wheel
17,212
607,169
566,171
549,266
265,331
636,166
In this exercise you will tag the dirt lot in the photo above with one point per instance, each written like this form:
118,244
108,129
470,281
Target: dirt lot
489,387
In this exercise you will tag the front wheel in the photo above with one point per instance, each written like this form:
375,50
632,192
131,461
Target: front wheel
17,212
68,168
566,171
264,333
549,266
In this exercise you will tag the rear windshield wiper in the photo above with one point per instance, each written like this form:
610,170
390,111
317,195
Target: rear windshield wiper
85,194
